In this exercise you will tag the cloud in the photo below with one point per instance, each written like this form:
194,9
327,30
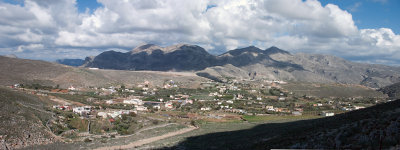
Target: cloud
294,25
354,7
380,1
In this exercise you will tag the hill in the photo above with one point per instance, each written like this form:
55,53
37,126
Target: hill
332,90
370,128
272,63
392,90
23,120
45,73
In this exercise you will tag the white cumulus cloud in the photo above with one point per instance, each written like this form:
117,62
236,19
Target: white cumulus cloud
217,25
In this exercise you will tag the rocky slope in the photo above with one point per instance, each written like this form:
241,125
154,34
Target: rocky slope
376,127
23,120
392,90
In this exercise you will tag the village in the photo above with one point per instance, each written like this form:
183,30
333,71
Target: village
121,110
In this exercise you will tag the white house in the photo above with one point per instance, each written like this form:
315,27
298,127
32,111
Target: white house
141,108
169,105
188,101
222,106
157,107
205,108
71,88
102,114
114,114
109,101
81,110
229,101
270,108
133,101
327,114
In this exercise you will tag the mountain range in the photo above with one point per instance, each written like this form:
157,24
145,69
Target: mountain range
71,62
249,62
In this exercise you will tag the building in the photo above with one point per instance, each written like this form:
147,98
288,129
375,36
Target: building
82,110
102,114
169,105
205,108
114,114
141,108
270,108
158,107
64,107
71,88
281,98
324,113
188,102
133,101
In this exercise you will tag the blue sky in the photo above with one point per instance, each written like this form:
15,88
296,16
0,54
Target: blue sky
87,4
372,13
364,31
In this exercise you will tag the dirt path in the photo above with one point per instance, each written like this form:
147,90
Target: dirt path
64,101
144,129
148,140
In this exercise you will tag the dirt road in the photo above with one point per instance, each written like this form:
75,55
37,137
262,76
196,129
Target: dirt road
148,140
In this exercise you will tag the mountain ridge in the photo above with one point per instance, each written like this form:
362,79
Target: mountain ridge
272,63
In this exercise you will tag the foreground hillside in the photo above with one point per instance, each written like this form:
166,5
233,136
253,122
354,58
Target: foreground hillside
26,71
250,62
370,128
23,120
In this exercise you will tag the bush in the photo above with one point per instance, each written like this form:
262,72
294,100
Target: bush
193,123
87,140
156,122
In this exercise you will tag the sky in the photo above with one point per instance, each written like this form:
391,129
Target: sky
363,31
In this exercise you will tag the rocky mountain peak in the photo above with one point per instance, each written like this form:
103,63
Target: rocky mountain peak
145,48
149,48
240,51
274,50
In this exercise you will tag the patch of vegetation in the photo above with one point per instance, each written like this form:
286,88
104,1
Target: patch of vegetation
77,123
277,118
127,124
